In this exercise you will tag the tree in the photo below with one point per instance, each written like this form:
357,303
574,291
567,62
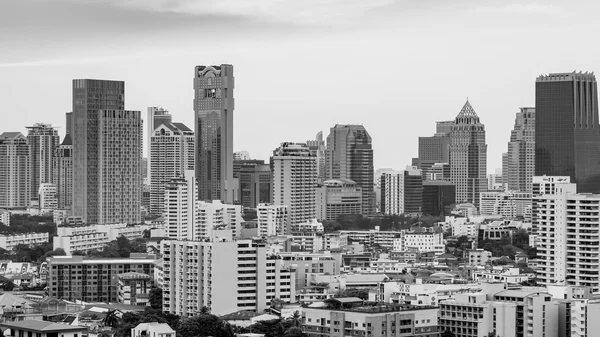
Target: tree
203,325
56,252
295,319
111,319
293,332
447,333
156,298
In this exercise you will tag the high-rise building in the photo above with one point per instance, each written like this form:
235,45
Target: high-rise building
69,122
107,154
43,140
402,192
241,155
180,199
223,275
294,181
271,219
519,166
171,154
435,149
155,116
569,237
47,196
438,196
567,132
349,155
255,185
317,148
509,204
468,156
14,170
215,215
63,172
213,121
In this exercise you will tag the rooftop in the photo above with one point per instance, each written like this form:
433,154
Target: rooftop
41,326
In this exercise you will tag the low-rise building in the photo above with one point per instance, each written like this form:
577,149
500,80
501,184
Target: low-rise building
424,242
134,288
153,329
500,274
42,329
10,241
351,317
5,217
478,257
384,239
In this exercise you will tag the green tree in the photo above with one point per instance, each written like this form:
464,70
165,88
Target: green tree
296,319
156,298
203,326
293,332
111,319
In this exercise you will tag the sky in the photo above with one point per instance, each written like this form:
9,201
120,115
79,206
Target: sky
300,67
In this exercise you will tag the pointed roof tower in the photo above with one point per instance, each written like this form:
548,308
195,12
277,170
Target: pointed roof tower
467,115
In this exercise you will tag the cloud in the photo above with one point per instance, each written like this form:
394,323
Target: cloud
525,9
294,11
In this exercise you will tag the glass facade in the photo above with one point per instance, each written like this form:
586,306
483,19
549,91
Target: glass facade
567,136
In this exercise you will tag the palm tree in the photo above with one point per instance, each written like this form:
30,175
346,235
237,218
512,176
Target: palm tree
295,319
111,319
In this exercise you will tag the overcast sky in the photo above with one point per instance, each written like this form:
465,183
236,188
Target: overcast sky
301,66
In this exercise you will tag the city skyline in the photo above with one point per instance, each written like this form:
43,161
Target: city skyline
494,65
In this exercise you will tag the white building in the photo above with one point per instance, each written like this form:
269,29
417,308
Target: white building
94,237
271,219
478,257
171,155
180,199
384,239
334,240
224,275
5,217
424,242
569,231
15,166
81,242
153,329
508,204
47,197
9,242
294,181
216,215
338,197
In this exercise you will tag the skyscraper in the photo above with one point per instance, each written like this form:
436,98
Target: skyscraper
402,191
519,167
107,150
317,148
171,154
43,140
567,132
213,120
468,156
69,122
294,181
155,116
435,149
349,155
256,183
14,170
63,172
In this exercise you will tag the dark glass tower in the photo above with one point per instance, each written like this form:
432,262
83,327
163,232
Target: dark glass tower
213,107
567,132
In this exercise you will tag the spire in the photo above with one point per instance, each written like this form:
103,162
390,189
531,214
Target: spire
467,115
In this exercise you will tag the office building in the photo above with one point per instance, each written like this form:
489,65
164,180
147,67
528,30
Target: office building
294,181
180,202
93,279
225,276
468,156
255,182
43,140
213,122
63,173
171,154
352,317
68,123
437,171
107,153
569,232
155,116
547,185
402,192
337,197
349,155
317,148
435,149
519,166
509,204
14,170
438,197
567,132
272,219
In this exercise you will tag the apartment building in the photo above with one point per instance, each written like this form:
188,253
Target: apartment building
48,197
83,242
334,240
10,241
94,237
478,257
350,317
371,237
302,264
93,279
14,170
222,274
180,202
536,313
272,219
134,288
569,232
